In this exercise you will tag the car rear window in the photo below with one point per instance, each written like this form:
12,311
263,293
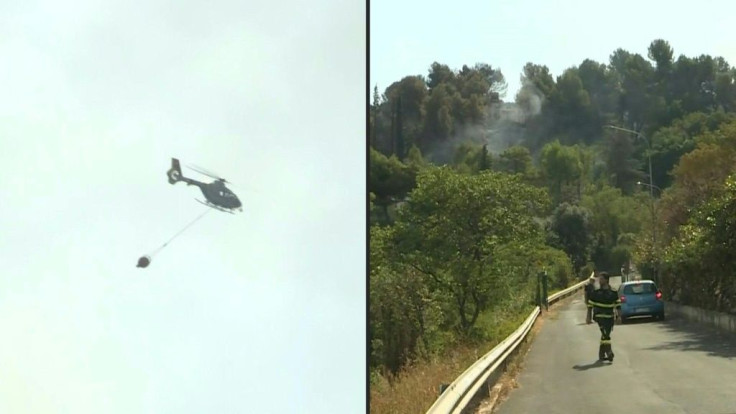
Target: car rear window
639,288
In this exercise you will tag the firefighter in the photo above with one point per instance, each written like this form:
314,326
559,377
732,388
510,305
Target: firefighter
604,303
589,288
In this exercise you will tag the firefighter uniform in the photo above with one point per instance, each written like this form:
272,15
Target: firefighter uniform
603,301
589,288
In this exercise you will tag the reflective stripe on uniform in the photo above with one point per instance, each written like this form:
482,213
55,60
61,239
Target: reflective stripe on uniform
602,305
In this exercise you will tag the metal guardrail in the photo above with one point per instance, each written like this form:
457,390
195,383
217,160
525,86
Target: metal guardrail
459,394
565,293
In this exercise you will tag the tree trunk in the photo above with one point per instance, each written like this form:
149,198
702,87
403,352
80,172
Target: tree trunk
392,134
419,312
384,208
476,311
461,308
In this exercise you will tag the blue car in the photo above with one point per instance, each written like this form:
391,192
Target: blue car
640,298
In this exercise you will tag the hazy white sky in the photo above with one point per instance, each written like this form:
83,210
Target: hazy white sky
262,312
408,36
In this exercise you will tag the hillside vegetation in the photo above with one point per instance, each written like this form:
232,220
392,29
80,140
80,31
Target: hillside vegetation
472,197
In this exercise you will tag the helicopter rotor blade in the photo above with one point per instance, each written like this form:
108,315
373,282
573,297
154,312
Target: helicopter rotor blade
202,171
205,172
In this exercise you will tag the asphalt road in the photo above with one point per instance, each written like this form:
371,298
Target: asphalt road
669,367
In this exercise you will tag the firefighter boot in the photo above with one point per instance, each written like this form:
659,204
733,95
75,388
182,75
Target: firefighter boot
607,352
601,352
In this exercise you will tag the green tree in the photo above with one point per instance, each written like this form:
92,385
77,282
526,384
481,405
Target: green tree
469,158
413,92
484,164
400,146
661,53
614,213
602,86
560,165
439,123
638,105
495,79
389,179
558,266
415,160
404,316
539,77
572,108
440,74
698,176
695,85
623,168
517,160
615,218
570,231
698,179
537,88
724,87
618,59
453,225
669,144
372,142
701,261
588,159
407,98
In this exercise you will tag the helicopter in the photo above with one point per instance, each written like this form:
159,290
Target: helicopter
217,195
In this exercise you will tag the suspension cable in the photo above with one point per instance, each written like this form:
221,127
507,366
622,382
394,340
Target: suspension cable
180,232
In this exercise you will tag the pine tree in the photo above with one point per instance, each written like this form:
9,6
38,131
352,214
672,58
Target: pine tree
484,158
374,111
400,151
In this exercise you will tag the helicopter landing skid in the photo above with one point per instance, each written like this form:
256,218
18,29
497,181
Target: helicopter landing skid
214,206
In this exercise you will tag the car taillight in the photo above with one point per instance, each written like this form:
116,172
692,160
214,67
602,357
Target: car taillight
623,299
659,295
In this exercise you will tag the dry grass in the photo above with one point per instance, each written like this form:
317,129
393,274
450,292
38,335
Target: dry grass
417,387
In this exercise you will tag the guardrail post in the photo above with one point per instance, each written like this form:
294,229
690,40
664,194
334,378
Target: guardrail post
539,288
544,291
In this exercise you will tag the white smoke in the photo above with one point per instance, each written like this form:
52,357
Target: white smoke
530,98
499,131
496,135
535,102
